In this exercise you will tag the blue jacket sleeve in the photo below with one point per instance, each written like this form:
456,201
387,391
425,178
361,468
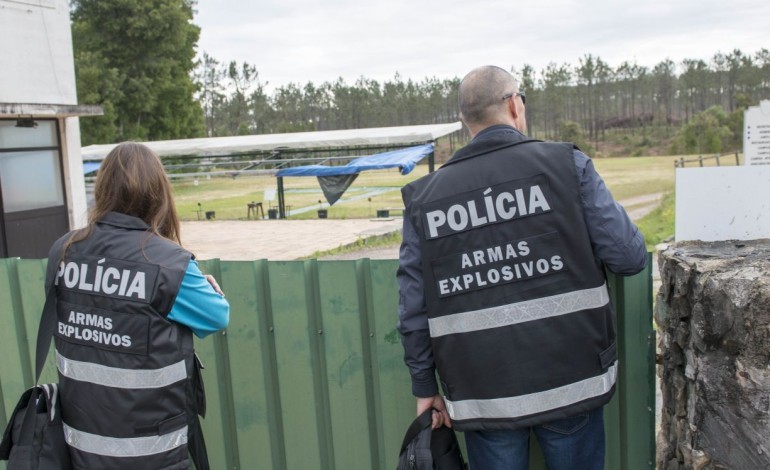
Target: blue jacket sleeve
198,306
413,316
615,239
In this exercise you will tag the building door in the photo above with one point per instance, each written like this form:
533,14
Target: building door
33,209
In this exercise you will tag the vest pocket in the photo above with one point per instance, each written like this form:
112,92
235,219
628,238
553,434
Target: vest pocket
172,424
609,355
163,427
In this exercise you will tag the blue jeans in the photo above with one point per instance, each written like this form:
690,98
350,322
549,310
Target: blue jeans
574,443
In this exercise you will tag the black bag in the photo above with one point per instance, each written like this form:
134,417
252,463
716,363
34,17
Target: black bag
430,449
34,437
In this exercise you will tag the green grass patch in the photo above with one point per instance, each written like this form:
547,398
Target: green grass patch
376,241
658,225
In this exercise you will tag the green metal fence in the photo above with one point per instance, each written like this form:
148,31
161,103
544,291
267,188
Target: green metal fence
309,375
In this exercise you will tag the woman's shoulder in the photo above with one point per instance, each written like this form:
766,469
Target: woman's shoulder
168,248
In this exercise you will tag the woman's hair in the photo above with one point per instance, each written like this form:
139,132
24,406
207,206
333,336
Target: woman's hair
131,180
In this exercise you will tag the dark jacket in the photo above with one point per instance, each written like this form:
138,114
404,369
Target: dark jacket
521,327
130,381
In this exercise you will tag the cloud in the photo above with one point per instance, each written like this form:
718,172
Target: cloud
314,40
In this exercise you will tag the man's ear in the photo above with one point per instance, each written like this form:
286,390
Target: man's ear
511,103
462,118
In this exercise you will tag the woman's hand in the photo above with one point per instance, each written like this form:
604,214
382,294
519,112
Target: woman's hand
214,284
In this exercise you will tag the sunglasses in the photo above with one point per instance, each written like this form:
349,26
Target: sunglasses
511,95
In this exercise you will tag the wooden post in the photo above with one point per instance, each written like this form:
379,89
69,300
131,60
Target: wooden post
700,160
737,161
717,157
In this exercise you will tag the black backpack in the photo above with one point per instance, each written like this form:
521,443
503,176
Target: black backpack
34,438
430,449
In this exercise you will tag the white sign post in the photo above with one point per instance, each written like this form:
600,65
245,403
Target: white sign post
729,203
722,203
756,134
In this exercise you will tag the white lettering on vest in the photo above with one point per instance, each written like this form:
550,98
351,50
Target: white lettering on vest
106,279
494,254
501,274
503,206
93,335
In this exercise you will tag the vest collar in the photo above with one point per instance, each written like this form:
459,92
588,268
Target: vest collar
489,140
117,219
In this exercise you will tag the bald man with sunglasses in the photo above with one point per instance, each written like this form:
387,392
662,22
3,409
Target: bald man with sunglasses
503,291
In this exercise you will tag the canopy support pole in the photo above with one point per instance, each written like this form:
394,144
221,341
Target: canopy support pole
431,158
281,201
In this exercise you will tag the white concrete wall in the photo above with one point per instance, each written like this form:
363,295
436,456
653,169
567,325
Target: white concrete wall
36,62
75,185
37,67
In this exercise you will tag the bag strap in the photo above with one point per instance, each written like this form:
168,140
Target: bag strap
421,422
45,331
51,392
197,446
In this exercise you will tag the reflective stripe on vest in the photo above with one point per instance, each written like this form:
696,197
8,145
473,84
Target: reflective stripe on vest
124,447
520,312
121,378
526,405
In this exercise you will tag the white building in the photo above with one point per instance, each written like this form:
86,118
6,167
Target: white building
42,189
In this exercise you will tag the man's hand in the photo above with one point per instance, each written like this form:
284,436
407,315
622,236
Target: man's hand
440,417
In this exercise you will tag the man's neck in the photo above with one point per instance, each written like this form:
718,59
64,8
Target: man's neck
493,129
476,129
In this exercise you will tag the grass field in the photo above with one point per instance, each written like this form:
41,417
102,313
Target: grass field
228,197
626,177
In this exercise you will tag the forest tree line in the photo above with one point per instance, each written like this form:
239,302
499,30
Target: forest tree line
146,75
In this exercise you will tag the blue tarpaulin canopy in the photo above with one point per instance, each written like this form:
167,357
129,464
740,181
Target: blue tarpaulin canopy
338,176
404,159
335,180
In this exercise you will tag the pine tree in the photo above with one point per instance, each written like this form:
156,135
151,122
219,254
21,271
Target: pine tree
135,57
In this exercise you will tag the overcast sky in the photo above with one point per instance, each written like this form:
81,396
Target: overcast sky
321,40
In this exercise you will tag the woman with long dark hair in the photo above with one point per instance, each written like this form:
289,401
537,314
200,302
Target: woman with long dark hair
128,299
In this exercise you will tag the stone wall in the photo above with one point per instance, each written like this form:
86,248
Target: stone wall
713,314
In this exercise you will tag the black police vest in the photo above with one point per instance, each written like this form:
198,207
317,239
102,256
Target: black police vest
521,326
129,380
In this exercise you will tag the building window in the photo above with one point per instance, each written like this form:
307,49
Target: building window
30,169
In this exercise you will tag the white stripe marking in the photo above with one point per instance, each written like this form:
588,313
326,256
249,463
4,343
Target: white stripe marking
121,378
124,447
525,405
520,312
